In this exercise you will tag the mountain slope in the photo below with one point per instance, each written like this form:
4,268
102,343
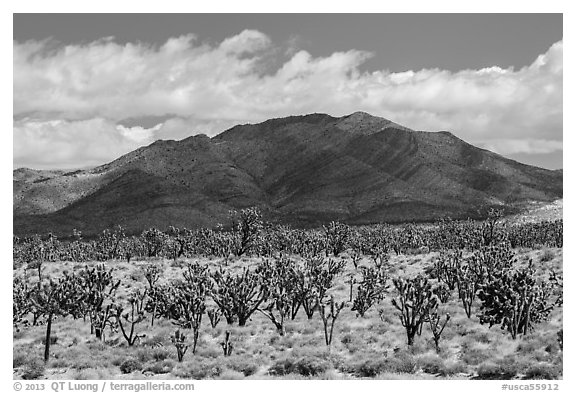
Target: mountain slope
302,170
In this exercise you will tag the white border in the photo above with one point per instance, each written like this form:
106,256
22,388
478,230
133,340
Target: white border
302,6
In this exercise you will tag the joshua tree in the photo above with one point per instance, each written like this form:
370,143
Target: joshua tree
329,313
370,290
127,321
413,301
214,316
436,325
227,346
21,305
516,300
282,299
246,227
56,298
337,235
239,295
179,341
188,300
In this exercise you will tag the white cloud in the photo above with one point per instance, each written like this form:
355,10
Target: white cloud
138,134
65,144
515,146
68,144
209,88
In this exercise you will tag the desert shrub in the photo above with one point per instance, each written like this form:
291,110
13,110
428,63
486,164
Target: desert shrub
352,342
474,356
154,341
453,367
370,368
347,338
243,365
97,346
543,371
19,359
403,363
145,355
83,363
160,354
130,365
210,352
204,369
311,366
283,366
88,374
57,363
482,337
160,367
431,364
33,369
117,361
496,370
539,348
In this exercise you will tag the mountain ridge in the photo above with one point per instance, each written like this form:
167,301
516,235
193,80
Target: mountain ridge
302,170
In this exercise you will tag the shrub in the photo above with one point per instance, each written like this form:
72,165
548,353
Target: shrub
83,363
491,370
543,371
431,364
281,367
371,368
88,374
352,342
311,366
33,369
160,354
245,366
19,359
402,363
130,365
204,370
161,367
475,356
452,367
57,363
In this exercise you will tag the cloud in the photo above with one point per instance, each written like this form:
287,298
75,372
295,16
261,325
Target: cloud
515,146
69,95
66,144
62,144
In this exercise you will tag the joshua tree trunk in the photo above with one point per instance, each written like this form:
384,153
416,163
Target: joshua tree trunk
47,342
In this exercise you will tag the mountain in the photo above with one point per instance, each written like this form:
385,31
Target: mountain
301,170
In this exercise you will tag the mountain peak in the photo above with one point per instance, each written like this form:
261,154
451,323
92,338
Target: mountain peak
365,123
360,115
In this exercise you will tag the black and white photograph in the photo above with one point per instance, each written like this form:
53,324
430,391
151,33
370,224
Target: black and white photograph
287,196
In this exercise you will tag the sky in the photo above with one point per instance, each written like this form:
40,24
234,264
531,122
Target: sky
89,88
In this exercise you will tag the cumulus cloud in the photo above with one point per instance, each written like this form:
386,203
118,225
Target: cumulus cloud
66,144
62,144
78,94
